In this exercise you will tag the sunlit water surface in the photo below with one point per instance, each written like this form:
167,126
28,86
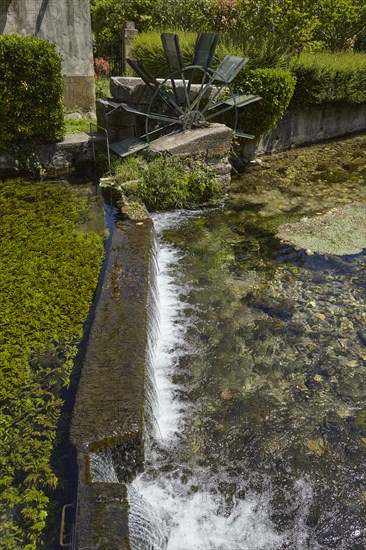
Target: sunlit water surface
260,372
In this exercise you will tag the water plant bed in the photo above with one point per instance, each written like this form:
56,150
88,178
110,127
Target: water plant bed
260,369
342,231
51,252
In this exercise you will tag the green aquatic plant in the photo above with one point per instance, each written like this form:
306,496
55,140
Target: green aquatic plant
167,183
48,276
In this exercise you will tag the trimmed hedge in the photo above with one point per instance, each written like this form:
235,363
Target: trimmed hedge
31,90
275,86
329,78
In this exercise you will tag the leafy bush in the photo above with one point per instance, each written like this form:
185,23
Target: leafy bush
129,169
275,86
49,272
109,16
167,183
329,78
307,25
31,90
102,87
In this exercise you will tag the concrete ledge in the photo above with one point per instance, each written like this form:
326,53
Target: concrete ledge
109,412
74,153
102,515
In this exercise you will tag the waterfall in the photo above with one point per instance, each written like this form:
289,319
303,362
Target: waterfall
102,468
146,528
152,335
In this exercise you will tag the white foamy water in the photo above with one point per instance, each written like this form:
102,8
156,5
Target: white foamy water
101,466
170,345
199,521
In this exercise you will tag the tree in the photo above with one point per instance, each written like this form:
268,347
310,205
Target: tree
109,16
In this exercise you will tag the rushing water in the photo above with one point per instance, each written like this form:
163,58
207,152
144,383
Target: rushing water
260,370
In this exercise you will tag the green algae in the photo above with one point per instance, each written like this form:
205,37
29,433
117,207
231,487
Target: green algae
341,231
48,276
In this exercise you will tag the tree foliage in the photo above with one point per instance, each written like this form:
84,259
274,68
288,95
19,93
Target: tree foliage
301,25
109,16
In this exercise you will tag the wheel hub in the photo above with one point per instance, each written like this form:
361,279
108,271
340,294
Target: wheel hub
192,119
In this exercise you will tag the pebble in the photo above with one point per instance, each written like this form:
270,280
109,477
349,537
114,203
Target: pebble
320,316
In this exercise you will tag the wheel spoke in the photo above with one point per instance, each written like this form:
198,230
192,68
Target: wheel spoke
175,63
154,116
153,84
204,51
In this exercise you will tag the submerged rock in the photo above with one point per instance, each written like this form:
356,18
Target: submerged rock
341,231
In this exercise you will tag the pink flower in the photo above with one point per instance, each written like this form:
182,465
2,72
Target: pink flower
101,67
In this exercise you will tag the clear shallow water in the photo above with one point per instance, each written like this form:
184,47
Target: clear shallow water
260,370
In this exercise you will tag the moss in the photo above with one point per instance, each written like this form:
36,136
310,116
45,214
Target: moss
49,271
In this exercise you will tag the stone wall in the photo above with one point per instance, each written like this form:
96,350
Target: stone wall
297,129
67,24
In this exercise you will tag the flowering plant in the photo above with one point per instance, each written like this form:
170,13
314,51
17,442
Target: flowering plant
101,67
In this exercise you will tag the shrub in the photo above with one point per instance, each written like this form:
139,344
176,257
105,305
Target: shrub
275,86
109,16
329,78
31,90
167,183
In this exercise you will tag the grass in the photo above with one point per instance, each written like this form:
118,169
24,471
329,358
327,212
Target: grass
77,126
342,61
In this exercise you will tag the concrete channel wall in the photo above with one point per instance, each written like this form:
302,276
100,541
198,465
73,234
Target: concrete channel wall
109,411
297,129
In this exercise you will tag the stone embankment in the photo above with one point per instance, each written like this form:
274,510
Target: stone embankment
109,415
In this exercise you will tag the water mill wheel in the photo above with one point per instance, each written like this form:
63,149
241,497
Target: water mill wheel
191,96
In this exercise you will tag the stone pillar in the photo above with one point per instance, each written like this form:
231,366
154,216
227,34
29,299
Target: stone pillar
67,24
127,34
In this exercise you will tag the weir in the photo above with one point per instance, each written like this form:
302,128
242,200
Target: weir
110,412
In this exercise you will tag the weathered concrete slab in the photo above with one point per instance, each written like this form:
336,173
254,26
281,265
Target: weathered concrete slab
110,402
134,90
301,128
213,140
341,231
209,145
74,153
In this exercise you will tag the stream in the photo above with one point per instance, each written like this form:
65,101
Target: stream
260,368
